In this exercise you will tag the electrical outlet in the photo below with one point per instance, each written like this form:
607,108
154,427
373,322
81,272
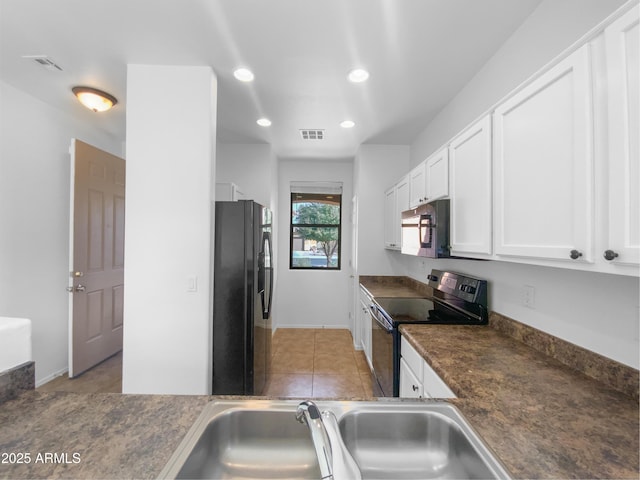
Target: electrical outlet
529,296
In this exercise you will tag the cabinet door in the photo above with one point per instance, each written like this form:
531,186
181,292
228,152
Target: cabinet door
417,194
437,175
621,43
410,385
402,195
390,217
544,166
364,321
470,164
402,204
433,386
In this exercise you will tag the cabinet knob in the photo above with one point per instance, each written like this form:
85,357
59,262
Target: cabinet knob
415,388
575,254
610,255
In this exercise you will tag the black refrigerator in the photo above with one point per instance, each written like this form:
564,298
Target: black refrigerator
242,296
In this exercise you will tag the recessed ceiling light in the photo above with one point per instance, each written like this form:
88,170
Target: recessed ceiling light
244,75
347,124
358,75
264,122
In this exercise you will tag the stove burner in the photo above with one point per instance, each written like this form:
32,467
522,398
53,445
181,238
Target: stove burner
457,299
406,309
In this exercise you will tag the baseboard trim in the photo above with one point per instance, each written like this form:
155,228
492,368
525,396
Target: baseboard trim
321,327
53,376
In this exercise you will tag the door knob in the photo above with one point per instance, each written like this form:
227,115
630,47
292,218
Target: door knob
80,288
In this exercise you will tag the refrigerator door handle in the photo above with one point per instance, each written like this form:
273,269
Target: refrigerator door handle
268,267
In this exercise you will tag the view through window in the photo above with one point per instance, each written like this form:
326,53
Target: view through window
315,231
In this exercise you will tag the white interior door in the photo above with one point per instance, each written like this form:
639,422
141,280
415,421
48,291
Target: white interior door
96,263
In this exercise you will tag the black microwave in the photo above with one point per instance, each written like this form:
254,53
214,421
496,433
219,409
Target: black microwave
425,230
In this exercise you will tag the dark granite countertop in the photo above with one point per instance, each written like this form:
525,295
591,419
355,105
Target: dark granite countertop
102,435
543,419
391,286
537,410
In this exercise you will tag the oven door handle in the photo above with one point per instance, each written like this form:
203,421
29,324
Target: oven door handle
386,326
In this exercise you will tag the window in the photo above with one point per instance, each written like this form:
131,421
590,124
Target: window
316,222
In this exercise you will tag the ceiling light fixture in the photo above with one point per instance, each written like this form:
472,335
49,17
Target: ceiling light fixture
347,124
94,99
244,75
264,122
358,75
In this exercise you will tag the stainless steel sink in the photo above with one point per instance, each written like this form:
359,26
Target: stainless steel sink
408,443
261,439
239,443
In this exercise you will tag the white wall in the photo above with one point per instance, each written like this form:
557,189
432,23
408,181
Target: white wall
376,167
168,232
250,166
597,311
316,298
34,219
550,29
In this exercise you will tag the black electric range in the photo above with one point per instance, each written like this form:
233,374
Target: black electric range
457,300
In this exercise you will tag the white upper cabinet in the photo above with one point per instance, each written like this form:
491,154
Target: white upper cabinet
417,184
622,53
470,168
543,188
437,175
390,236
228,192
402,201
396,201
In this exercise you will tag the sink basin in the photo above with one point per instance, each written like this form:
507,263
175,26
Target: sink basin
400,444
261,439
245,443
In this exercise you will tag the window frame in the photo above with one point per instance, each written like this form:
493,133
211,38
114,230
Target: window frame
338,225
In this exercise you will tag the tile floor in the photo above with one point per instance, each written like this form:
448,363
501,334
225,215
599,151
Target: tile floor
306,363
317,363
105,377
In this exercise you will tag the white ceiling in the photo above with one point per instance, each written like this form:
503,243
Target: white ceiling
420,53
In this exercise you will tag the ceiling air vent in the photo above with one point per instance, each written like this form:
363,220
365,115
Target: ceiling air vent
45,61
312,134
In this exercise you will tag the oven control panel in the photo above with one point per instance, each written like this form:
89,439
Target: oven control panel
466,288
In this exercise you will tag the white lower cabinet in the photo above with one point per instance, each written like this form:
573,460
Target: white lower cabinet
364,320
410,386
417,378
433,385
